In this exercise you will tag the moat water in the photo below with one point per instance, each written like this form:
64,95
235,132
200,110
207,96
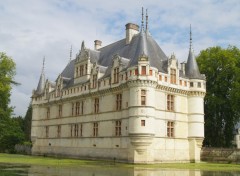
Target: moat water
20,170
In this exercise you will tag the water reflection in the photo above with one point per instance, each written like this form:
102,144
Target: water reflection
16,170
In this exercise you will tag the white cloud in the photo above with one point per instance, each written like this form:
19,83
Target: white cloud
31,30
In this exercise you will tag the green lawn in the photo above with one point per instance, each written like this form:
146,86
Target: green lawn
48,161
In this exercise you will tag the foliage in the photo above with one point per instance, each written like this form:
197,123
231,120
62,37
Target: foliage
222,101
10,128
28,123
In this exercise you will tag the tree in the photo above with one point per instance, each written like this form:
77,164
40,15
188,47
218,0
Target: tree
222,101
10,130
28,123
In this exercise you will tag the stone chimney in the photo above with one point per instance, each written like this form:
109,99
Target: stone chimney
131,30
183,65
97,44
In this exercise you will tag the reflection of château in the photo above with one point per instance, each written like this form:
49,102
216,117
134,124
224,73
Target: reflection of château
126,100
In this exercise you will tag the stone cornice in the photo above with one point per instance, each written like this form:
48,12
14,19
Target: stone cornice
142,83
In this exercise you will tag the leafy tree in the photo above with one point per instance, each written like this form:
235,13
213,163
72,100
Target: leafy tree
222,101
10,130
28,124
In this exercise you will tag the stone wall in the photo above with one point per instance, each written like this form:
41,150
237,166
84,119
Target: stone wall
222,155
23,149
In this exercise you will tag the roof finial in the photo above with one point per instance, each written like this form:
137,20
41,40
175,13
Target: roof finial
43,64
190,37
70,54
146,20
142,27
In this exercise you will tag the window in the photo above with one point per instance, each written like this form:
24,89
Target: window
116,75
180,82
75,130
95,129
119,102
59,110
118,128
72,109
59,131
82,105
199,85
126,76
81,70
173,76
170,129
143,97
136,71
77,108
160,77
191,84
48,112
150,72
86,67
72,130
170,102
185,83
142,122
76,72
47,131
80,129
94,81
58,90
165,78
144,70
96,105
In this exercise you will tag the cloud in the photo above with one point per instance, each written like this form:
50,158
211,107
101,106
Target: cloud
31,30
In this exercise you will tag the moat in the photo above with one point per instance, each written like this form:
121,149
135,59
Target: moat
93,170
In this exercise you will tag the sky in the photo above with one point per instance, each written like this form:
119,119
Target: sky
31,30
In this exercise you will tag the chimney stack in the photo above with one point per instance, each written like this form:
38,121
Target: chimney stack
97,44
131,30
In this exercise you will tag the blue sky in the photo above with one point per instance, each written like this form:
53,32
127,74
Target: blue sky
30,30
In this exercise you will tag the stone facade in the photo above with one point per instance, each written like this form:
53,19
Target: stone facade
119,108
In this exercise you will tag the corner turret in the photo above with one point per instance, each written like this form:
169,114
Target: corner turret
41,83
192,70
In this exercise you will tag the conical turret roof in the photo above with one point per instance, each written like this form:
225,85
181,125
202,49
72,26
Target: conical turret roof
192,70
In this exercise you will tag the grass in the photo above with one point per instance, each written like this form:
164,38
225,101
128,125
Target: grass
49,161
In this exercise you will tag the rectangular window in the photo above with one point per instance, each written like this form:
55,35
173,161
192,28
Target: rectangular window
150,72
185,83
86,67
142,122
160,77
96,105
77,108
95,129
144,70
72,109
81,70
165,78
59,131
75,130
82,106
136,71
173,76
170,102
180,82
80,129
143,97
48,112
126,76
170,129
47,131
199,85
116,75
71,130
191,84
119,102
59,111
118,128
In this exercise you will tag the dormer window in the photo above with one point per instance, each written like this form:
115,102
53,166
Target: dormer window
95,81
81,70
116,75
173,76
144,70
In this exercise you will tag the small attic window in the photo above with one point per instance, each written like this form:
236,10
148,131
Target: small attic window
150,72
199,85
144,70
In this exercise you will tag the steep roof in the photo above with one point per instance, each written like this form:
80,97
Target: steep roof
192,70
42,80
142,43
